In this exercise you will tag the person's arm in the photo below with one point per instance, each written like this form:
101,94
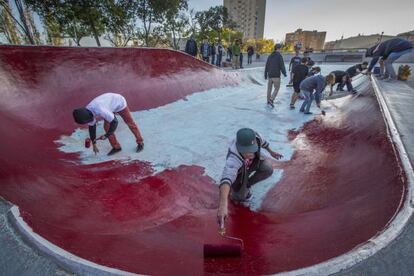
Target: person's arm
273,153
290,64
233,164
319,89
92,133
222,211
266,68
282,66
265,144
374,61
187,46
112,127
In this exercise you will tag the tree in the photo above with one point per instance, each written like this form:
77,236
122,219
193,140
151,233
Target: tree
176,23
75,18
120,20
53,31
22,22
265,45
152,14
8,26
230,35
214,21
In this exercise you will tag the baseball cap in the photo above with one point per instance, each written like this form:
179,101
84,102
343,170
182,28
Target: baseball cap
246,140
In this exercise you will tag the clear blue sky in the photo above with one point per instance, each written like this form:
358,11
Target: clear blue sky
336,17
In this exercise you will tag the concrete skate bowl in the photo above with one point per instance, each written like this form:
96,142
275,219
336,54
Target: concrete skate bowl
341,187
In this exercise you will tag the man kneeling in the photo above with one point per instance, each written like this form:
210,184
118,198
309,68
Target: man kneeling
243,159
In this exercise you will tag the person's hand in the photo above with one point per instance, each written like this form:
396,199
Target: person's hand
285,75
265,77
276,155
222,214
95,149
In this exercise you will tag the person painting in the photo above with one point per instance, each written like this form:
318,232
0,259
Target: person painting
245,166
312,88
389,51
299,73
105,107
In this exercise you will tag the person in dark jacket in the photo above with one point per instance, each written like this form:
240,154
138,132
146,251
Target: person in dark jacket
312,88
219,54
310,63
213,53
295,60
250,53
274,67
389,51
299,73
341,78
191,47
356,69
205,50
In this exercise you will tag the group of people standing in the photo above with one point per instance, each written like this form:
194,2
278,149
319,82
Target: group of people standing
211,53
214,52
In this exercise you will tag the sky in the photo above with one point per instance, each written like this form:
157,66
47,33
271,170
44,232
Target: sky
336,17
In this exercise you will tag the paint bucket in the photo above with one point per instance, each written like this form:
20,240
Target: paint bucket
87,143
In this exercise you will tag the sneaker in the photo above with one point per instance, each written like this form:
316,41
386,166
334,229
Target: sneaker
302,110
270,103
382,77
113,151
140,147
354,91
308,113
292,106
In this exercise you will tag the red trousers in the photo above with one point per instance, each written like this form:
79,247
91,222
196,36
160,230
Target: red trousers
126,116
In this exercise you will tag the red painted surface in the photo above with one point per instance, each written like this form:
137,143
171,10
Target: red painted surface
341,187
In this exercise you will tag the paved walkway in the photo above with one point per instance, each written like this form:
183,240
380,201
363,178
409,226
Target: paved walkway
17,258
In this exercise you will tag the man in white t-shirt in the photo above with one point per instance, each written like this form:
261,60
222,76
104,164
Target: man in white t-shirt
105,107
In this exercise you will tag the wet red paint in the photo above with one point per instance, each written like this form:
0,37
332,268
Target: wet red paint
340,188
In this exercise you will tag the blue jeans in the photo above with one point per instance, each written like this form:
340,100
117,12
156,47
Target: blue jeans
218,61
389,69
308,101
213,59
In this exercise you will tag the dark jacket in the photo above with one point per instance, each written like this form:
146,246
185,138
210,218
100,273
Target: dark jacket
384,49
213,49
295,61
309,62
250,51
315,83
275,65
202,47
354,70
191,47
300,72
339,75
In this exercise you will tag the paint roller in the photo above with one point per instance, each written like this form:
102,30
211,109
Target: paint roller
224,250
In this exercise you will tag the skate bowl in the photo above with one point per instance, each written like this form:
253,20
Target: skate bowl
338,196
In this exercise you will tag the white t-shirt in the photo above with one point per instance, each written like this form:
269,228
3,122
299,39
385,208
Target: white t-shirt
105,105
